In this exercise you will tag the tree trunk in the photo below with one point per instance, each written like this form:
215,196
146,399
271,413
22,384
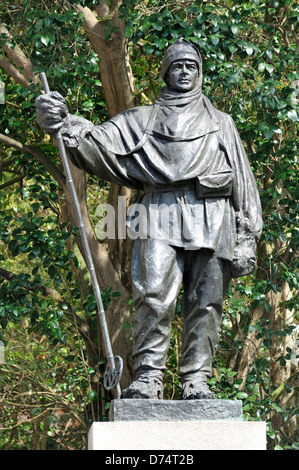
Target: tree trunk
111,259
115,66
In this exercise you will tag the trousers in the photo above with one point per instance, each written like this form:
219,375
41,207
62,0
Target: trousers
159,271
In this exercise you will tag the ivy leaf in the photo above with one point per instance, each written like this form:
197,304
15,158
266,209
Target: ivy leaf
269,68
232,48
266,130
91,395
45,40
276,129
215,40
248,290
292,115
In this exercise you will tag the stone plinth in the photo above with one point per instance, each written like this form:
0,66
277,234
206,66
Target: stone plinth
177,435
175,410
177,425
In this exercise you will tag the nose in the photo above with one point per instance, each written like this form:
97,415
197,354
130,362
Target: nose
184,69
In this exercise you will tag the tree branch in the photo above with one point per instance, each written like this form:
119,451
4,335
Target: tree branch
38,154
11,182
13,72
20,60
114,63
6,163
46,291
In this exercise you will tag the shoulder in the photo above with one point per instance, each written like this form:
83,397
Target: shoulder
139,115
221,117
123,133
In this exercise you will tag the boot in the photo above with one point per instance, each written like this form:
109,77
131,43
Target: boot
195,387
149,384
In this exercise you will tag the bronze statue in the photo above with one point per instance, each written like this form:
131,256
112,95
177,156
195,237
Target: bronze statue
186,156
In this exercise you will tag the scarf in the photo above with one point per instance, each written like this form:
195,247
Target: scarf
170,97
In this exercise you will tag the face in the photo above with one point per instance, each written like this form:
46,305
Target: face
182,75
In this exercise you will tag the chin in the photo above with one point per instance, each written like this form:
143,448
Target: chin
184,89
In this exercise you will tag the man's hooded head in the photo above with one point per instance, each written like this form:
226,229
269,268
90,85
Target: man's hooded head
181,50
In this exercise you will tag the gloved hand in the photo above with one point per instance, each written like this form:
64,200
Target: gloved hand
244,260
51,110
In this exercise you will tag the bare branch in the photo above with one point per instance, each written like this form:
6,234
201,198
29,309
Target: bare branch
20,61
38,154
114,63
13,72
6,163
11,182
46,291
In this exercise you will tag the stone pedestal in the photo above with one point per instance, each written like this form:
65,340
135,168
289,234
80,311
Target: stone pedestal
177,425
177,435
175,410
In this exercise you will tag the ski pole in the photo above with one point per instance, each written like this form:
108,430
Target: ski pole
114,368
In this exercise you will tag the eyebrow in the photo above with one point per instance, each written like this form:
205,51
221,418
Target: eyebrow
186,61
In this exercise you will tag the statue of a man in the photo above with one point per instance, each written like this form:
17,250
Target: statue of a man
185,154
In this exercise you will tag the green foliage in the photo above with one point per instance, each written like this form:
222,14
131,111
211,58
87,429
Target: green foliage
48,298
44,392
52,39
35,235
249,72
249,56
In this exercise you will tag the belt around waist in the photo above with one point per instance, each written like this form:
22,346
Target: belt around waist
169,187
202,191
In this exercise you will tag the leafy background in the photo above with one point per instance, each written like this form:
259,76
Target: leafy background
50,391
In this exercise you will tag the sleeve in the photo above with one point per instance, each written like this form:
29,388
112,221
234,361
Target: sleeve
83,144
246,199
246,203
